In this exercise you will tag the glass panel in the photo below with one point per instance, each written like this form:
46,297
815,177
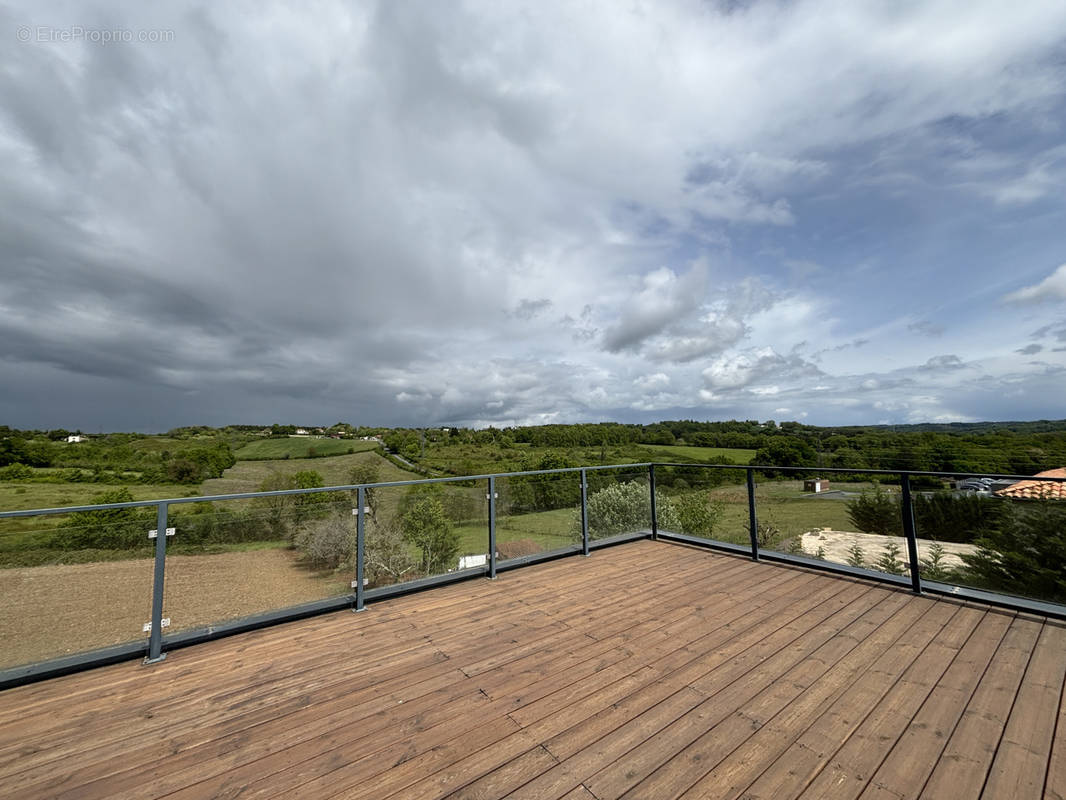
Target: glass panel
73,583
708,503
232,559
1000,535
619,502
426,529
537,513
845,519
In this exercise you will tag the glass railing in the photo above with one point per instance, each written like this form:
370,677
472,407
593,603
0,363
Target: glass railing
89,584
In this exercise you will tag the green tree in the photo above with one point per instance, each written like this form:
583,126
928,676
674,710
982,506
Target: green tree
425,525
876,512
785,451
1024,553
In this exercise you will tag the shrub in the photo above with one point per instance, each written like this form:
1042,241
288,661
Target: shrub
889,560
698,514
107,529
933,566
15,472
856,557
329,542
388,558
625,508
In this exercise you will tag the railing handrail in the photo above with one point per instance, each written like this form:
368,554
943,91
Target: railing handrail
347,487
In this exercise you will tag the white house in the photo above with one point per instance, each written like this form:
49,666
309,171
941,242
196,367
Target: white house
76,437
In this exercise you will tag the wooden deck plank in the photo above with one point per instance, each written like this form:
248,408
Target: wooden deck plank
650,669
904,772
1020,766
967,757
851,767
864,640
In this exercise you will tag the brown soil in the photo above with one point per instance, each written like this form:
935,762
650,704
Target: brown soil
48,612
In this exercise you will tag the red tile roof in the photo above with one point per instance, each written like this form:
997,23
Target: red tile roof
1035,490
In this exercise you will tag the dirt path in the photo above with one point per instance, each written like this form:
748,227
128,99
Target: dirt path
48,612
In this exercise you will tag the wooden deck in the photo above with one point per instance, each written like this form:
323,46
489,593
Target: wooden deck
649,670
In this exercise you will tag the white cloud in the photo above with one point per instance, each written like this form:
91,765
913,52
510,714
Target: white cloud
1053,287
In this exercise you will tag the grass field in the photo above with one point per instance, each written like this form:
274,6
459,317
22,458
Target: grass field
783,506
300,447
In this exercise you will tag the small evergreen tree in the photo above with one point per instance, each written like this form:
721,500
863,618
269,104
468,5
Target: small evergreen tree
856,557
889,560
933,566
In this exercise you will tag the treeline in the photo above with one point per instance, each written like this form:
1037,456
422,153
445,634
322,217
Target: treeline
1014,448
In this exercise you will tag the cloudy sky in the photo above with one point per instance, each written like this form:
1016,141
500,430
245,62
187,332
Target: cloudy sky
421,212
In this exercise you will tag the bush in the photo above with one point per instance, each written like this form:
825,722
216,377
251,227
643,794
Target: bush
698,514
388,558
106,529
625,508
15,472
876,512
330,542
889,560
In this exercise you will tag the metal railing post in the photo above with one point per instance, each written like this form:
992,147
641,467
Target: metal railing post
360,547
492,527
651,484
753,523
907,509
584,512
155,637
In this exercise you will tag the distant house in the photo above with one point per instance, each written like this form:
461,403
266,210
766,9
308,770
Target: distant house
816,485
74,438
1036,489
302,432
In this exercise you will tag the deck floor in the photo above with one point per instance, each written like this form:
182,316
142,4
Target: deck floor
649,670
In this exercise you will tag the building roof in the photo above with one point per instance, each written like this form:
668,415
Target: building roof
1036,490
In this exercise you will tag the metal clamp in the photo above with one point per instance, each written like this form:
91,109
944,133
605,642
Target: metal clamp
164,623
154,533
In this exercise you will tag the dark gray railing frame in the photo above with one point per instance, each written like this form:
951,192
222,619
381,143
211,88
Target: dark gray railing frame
914,581
153,649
